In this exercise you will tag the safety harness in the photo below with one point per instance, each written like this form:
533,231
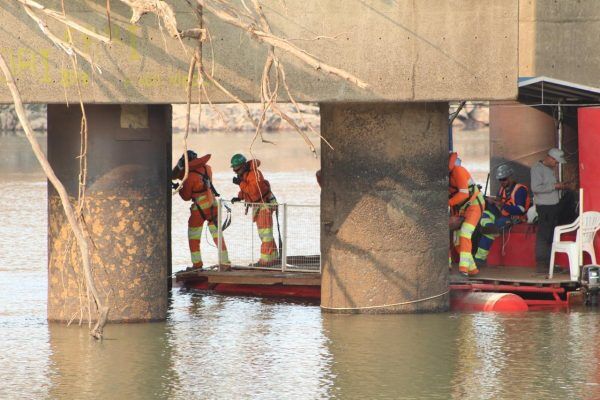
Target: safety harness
474,197
207,183
265,197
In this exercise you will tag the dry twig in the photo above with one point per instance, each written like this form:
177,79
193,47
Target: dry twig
187,122
66,47
158,7
82,178
272,59
283,44
64,19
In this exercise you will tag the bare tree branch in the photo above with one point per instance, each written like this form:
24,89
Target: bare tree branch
283,44
158,7
64,19
102,311
66,47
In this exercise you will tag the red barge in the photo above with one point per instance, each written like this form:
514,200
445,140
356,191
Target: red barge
526,289
549,113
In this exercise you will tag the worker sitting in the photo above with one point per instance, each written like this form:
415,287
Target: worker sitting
510,206
198,188
256,190
465,200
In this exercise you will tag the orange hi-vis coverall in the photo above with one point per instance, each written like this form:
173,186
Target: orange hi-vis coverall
466,200
204,207
254,188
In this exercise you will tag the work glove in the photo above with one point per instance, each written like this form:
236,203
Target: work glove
236,180
235,199
174,185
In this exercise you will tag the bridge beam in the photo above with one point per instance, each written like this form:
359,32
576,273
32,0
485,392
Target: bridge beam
127,210
384,237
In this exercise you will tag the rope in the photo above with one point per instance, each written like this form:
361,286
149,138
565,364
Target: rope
208,238
505,242
387,305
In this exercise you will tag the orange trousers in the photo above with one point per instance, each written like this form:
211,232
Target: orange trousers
263,217
195,227
472,215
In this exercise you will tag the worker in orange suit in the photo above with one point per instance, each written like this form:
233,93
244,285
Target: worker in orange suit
466,201
199,189
256,190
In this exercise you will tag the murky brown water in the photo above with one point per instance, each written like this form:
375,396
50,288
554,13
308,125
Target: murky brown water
217,347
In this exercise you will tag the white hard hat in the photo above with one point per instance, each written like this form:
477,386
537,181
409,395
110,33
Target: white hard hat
532,215
558,155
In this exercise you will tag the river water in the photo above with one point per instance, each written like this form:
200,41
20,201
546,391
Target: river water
219,347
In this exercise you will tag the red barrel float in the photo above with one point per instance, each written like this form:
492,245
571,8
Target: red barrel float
487,301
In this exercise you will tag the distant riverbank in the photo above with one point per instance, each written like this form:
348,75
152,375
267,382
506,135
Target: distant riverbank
233,118
221,117
36,113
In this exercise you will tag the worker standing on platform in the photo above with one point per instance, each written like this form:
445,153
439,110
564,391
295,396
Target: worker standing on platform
256,190
545,188
198,188
466,201
509,206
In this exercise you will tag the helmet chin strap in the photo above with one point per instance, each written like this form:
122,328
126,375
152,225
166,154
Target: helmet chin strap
240,170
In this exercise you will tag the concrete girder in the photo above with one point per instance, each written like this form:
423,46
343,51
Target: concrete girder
559,39
424,50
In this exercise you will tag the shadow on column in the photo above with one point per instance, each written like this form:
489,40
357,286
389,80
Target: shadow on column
384,214
127,210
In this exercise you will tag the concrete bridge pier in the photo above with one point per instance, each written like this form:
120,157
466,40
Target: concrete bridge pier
384,233
127,210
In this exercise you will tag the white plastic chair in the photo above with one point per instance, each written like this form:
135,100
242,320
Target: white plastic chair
586,231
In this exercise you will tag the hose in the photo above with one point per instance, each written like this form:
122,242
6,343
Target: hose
227,221
278,228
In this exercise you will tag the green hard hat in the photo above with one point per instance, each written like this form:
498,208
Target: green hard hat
238,160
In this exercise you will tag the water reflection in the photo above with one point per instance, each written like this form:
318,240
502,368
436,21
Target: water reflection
393,356
480,343
228,347
24,353
504,356
134,362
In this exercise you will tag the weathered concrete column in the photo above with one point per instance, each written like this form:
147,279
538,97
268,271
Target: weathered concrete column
127,210
384,223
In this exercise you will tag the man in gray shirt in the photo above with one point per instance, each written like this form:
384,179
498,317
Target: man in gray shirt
546,197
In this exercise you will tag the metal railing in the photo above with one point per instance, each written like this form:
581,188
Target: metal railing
295,245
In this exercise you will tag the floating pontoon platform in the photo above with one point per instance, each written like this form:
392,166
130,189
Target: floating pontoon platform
535,289
261,283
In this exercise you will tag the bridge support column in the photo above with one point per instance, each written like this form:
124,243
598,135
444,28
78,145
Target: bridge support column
127,210
384,229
